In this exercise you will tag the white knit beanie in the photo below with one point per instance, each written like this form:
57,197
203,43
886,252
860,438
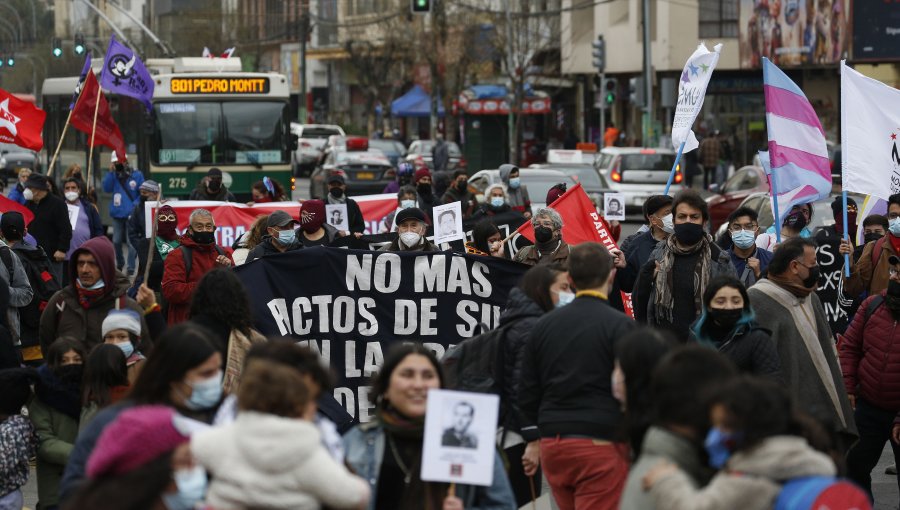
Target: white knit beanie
128,320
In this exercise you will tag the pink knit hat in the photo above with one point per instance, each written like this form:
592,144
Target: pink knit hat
139,435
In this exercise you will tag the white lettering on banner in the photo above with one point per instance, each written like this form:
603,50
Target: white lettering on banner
372,360
429,274
338,314
459,277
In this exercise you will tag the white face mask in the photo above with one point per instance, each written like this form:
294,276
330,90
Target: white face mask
28,194
668,224
410,239
71,196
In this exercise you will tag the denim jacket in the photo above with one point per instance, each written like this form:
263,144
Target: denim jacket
364,445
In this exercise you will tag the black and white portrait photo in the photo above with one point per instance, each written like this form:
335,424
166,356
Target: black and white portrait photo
457,434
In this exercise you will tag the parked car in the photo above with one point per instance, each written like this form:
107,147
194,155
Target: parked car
13,157
311,141
538,180
422,149
393,149
366,171
745,181
639,172
592,182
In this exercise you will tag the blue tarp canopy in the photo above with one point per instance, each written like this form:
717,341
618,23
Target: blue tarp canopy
415,103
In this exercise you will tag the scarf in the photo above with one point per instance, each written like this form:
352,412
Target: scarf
166,247
87,298
795,288
665,277
404,436
332,200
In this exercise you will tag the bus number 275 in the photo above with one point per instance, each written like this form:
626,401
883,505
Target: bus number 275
177,182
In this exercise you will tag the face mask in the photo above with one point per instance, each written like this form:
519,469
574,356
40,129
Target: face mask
725,318
893,225
543,234
214,186
893,288
191,484
462,186
515,182
871,237
796,220
564,298
497,202
424,189
689,233
336,192
286,237
743,239
28,194
203,237
668,225
166,229
813,279
718,445
410,239
407,204
70,374
71,196
97,286
127,349
206,393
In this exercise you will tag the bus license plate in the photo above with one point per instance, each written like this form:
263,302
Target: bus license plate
365,176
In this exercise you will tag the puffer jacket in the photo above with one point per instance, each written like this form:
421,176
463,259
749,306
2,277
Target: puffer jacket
177,286
520,316
751,480
266,247
870,356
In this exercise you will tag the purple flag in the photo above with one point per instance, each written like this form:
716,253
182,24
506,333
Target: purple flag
84,70
125,74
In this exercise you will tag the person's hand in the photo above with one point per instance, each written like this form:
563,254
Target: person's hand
852,401
145,297
846,248
657,473
613,223
527,215
496,249
59,256
753,263
451,502
619,256
895,433
250,204
531,459
223,261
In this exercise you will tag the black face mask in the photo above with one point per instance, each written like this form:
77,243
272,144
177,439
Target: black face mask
872,236
424,189
462,186
725,318
336,192
543,234
70,374
689,233
813,279
214,186
203,237
893,289
796,220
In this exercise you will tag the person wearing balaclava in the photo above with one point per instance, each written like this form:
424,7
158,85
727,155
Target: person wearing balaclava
795,224
871,270
548,247
425,195
835,232
669,290
411,229
211,188
313,229
337,194
166,241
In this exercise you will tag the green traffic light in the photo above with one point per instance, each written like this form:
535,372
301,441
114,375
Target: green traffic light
610,98
57,52
10,61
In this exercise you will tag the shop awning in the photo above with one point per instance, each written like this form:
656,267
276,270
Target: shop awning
495,100
415,103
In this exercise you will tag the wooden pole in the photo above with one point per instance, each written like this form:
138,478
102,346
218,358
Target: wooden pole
93,135
59,145
159,203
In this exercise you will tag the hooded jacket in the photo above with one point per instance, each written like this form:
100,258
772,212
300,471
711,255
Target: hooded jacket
125,190
177,286
266,247
518,197
266,461
64,315
751,480
202,193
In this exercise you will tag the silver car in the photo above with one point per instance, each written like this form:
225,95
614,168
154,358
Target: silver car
310,143
638,172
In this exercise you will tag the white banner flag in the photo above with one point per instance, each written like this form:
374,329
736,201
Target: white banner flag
870,125
691,91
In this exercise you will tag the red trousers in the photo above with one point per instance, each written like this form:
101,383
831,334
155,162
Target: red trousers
584,473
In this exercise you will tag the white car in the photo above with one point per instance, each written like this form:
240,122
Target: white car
311,140
639,172
538,181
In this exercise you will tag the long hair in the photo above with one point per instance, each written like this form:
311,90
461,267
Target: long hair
104,368
139,489
713,287
536,283
481,232
221,295
382,380
179,349
61,346
257,231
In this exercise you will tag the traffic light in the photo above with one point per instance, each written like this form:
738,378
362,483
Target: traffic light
599,53
79,44
420,6
610,89
56,47
636,91
10,60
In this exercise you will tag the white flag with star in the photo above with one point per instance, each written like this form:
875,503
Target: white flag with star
691,91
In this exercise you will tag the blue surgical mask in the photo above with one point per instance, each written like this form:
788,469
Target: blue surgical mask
894,226
191,484
286,237
514,182
127,349
97,286
743,239
206,393
719,446
564,298
407,204
497,202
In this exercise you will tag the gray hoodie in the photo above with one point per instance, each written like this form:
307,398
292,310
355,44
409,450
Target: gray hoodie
20,293
518,198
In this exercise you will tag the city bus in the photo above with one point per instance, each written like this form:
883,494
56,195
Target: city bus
236,121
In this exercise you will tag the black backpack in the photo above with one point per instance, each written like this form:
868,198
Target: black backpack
43,284
477,363
188,254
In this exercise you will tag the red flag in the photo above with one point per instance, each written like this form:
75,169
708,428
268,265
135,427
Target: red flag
7,205
107,132
20,122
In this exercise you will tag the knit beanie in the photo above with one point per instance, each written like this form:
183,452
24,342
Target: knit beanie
128,320
149,185
422,172
138,436
312,215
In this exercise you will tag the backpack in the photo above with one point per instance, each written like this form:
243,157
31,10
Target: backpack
188,255
876,250
43,283
477,363
815,492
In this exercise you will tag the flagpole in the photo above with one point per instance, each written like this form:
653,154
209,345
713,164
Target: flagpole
846,236
59,144
775,205
674,168
152,247
93,135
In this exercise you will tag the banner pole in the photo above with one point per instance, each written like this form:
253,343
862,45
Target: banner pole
674,168
159,203
846,236
775,205
93,134
59,144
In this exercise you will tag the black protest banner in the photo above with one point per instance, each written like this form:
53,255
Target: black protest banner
351,306
831,288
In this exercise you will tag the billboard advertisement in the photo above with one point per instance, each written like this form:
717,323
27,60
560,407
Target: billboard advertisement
876,30
793,32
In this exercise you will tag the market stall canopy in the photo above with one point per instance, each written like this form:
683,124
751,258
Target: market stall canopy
415,103
495,100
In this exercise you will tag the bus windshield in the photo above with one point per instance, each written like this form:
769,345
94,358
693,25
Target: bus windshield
220,133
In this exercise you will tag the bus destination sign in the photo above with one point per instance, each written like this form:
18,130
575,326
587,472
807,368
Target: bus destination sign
218,85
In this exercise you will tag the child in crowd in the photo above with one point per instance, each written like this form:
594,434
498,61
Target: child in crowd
122,328
105,381
18,442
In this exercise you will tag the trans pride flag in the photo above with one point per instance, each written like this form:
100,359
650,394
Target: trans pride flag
800,168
